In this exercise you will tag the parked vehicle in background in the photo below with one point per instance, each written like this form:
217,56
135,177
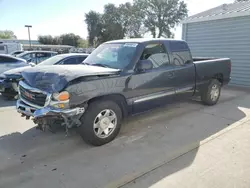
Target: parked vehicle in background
36,57
8,62
9,46
119,78
15,53
9,79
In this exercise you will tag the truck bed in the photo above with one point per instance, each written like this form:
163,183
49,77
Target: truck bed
207,68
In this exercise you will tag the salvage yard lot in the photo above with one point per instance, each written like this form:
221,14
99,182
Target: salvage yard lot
31,158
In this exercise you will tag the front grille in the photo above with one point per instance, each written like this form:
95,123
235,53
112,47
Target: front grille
32,97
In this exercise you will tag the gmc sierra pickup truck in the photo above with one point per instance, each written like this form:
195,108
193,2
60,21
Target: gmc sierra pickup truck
118,79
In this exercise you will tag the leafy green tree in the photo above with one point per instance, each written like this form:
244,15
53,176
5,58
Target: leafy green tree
160,16
131,18
116,22
64,39
46,39
93,21
111,23
70,39
83,43
7,34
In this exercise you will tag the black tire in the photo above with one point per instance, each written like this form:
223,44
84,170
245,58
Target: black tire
206,95
86,130
7,96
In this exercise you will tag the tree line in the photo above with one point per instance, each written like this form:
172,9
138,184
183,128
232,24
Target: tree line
7,34
132,20
64,39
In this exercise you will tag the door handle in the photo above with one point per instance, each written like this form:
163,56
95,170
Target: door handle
171,75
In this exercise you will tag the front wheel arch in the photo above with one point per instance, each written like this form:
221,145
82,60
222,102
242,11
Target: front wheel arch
117,98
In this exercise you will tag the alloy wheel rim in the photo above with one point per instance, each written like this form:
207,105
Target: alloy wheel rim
105,123
215,92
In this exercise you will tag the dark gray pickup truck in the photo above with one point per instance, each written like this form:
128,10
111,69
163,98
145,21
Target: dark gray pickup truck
118,79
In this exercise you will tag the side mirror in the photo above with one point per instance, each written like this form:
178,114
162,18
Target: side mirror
188,62
144,65
32,64
29,60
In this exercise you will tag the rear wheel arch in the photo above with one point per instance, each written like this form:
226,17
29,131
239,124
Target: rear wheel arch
219,77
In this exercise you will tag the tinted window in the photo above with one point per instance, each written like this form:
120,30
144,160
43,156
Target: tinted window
81,59
2,48
42,56
177,46
7,60
181,58
181,53
27,56
16,53
157,54
70,61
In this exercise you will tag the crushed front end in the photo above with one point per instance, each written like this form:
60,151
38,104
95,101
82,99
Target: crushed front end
47,109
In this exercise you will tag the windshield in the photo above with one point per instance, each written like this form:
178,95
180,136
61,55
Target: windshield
51,61
114,55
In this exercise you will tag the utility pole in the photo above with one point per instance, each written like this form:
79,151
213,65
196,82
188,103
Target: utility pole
29,26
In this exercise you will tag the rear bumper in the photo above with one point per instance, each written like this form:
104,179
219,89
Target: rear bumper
47,111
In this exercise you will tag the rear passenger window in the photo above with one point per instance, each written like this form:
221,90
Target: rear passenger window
181,58
181,53
81,59
70,61
157,54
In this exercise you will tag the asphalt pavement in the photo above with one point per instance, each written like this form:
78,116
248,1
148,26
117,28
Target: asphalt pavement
179,145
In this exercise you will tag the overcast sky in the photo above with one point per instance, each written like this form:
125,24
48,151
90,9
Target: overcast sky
55,17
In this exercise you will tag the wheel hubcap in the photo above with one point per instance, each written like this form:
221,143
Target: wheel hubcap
215,92
105,123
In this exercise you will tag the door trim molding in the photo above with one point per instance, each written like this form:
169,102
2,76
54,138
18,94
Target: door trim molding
159,95
154,96
184,89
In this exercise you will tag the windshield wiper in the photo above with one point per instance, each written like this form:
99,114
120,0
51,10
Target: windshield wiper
96,64
101,65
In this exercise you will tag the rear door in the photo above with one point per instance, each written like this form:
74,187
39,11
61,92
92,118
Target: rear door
156,86
184,69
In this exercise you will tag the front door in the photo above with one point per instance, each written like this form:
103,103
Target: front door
153,87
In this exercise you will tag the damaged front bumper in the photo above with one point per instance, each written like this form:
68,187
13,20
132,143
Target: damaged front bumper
47,111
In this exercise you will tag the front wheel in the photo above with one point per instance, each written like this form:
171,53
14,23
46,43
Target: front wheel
211,94
101,122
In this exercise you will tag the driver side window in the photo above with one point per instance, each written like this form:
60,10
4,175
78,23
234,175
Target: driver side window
157,54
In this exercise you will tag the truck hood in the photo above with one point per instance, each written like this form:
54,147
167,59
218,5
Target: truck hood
55,78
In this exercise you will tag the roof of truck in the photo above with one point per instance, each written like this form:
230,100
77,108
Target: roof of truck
141,40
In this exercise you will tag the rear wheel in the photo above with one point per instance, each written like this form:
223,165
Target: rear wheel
101,122
211,94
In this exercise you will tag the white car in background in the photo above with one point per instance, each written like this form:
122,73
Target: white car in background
10,46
